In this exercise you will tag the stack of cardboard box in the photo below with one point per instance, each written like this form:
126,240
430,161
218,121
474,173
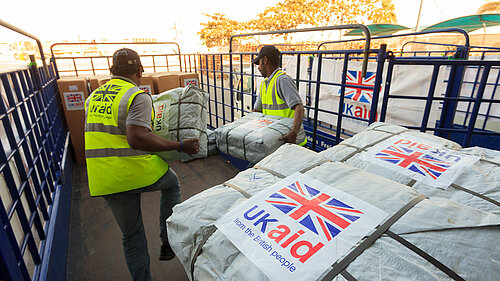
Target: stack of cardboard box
74,91
94,81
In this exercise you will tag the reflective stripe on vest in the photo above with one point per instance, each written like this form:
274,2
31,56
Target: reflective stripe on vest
272,104
112,165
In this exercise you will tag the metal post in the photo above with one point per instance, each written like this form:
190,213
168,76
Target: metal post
316,104
378,82
455,79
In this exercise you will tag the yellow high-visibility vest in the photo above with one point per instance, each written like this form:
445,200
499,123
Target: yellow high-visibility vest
272,104
112,165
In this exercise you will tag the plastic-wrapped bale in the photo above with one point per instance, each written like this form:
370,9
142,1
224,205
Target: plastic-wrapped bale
181,114
434,166
420,239
254,136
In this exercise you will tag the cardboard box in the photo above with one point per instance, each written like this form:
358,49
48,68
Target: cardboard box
74,91
187,78
94,81
147,84
164,81
103,80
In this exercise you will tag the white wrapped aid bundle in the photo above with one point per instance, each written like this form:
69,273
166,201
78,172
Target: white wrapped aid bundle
331,221
181,114
254,136
432,165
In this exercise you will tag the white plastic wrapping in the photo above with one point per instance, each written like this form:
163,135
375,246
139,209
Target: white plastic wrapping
483,177
181,114
464,239
254,136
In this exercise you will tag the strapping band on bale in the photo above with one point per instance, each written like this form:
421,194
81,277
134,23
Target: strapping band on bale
348,276
370,145
305,170
189,128
424,255
270,171
211,230
190,102
341,265
245,145
475,194
240,190
412,183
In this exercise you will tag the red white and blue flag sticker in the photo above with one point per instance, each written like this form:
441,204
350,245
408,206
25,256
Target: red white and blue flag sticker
297,228
74,100
422,160
317,211
354,78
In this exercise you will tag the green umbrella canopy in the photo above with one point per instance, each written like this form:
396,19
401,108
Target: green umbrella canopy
468,23
378,29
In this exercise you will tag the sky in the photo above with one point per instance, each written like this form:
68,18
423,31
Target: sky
57,20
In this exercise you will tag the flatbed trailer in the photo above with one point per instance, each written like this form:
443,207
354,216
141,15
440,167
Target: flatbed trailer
52,229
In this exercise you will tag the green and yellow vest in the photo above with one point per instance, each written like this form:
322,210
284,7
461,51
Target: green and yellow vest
272,104
112,165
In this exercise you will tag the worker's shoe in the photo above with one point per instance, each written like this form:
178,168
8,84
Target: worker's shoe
166,252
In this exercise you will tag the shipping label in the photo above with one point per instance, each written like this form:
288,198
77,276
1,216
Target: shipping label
297,228
428,162
74,100
192,81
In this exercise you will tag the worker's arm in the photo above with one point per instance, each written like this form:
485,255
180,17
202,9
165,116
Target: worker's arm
291,137
257,107
142,139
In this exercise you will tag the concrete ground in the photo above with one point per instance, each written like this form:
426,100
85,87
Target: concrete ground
95,251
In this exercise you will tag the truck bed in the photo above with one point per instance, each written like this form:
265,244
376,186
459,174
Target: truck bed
95,249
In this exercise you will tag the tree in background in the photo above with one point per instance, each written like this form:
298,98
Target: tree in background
489,7
385,14
218,29
290,14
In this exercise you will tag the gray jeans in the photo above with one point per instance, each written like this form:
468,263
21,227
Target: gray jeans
126,208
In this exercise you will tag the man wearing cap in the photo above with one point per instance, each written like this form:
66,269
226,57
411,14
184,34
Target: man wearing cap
278,94
120,165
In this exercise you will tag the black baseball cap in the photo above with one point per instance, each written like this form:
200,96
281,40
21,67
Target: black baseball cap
126,60
269,51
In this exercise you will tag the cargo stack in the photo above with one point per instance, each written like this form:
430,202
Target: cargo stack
74,91
147,83
94,81
164,81
302,215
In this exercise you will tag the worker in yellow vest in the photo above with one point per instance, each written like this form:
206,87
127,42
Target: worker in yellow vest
278,94
120,164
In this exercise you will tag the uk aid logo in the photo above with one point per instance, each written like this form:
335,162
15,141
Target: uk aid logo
421,160
299,227
317,211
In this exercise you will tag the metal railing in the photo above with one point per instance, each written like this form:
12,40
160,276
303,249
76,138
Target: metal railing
35,170
229,101
102,63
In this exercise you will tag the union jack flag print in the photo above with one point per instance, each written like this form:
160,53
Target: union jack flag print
414,160
74,98
315,210
356,79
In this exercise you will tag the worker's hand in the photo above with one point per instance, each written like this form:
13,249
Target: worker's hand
291,137
191,146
